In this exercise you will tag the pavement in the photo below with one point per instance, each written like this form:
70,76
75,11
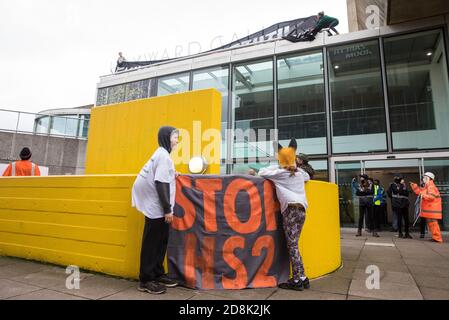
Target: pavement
408,270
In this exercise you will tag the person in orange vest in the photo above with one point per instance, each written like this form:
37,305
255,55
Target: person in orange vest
431,207
24,167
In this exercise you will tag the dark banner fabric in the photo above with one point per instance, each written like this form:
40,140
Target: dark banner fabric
227,233
274,32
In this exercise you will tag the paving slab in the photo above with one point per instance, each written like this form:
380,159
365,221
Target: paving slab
351,253
46,294
425,262
6,260
430,281
206,296
305,295
349,297
134,294
434,294
10,288
373,259
387,291
19,268
331,284
245,294
346,270
96,287
387,276
430,271
52,277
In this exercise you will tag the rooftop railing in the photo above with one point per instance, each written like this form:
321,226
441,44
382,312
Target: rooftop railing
75,126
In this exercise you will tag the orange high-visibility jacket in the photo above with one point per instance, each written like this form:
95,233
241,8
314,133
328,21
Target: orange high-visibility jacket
22,168
431,207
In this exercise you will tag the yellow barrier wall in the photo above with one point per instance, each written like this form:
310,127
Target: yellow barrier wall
88,221
320,237
122,137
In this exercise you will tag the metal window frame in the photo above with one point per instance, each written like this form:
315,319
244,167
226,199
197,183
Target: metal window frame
378,157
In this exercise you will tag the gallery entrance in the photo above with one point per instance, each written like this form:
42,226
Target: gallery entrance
343,169
382,170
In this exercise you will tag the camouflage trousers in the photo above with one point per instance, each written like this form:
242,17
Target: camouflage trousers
292,221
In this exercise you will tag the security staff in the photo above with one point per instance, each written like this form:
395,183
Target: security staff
399,202
431,206
24,167
365,191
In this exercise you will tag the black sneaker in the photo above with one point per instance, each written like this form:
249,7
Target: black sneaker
292,285
422,236
151,287
166,281
408,236
400,235
306,283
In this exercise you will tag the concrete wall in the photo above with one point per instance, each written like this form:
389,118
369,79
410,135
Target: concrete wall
359,14
61,155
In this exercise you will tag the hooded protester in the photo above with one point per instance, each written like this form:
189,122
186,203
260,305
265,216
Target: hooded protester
153,194
24,167
289,183
431,206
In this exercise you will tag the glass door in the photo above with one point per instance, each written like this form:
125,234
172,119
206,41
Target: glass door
348,201
385,171
440,168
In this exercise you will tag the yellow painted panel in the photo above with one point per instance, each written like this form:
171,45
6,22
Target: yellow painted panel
56,220
64,218
320,238
122,137
95,207
58,231
113,246
63,246
65,258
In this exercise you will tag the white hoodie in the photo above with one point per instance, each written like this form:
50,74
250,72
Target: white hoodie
289,189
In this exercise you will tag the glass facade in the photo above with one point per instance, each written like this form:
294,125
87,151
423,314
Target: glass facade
288,93
418,90
301,102
176,83
67,125
440,167
357,101
217,78
252,108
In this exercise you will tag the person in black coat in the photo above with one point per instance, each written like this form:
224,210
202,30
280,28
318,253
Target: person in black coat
399,193
365,191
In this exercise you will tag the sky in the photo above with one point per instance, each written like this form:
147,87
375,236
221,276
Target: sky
54,51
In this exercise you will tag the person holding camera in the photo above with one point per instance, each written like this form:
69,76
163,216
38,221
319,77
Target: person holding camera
399,203
365,191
